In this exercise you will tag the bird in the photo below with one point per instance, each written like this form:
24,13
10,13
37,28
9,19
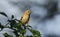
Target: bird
25,17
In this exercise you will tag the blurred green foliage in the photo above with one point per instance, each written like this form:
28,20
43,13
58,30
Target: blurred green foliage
19,29
6,35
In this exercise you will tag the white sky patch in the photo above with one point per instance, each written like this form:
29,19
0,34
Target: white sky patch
40,1
51,26
41,11
8,31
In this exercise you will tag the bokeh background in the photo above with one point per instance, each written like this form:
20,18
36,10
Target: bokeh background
45,16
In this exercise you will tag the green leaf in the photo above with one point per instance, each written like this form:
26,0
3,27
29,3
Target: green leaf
6,35
35,33
16,33
12,23
23,31
3,14
29,26
21,28
12,16
18,25
28,36
20,36
1,26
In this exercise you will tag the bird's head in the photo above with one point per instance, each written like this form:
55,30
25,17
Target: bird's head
27,12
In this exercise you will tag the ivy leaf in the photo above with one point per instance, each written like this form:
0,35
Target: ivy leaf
3,14
35,33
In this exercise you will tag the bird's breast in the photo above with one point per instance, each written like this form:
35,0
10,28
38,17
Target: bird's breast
25,18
